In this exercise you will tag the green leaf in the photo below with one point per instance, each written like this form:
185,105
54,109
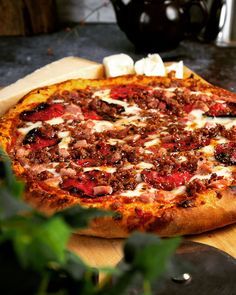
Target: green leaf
10,182
10,206
149,254
74,266
79,217
41,241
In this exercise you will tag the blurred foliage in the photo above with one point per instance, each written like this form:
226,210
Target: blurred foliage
34,258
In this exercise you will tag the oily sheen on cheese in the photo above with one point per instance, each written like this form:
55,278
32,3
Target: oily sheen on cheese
158,151
130,117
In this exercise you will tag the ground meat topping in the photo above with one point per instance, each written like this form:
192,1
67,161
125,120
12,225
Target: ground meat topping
156,137
226,153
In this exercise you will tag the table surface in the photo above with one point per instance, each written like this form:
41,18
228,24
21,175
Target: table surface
21,55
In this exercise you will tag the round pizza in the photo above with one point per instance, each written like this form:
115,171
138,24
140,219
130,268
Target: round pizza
159,152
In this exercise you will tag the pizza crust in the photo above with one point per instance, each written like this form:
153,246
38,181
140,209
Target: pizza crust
178,221
216,212
172,221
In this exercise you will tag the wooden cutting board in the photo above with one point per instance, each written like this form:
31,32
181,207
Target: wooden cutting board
107,252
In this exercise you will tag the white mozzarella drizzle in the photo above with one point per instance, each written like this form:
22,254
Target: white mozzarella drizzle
144,165
227,122
152,142
219,170
138,191
58,100
178,190
208,150
114,141
55,121
104,95
53,171
100,126
64,143
29,126
181,159
170,89
62,134
197,120
201,93
102,168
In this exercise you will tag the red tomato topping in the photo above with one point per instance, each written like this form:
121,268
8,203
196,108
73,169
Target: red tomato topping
41,143
43,112
104,149
91,115
188,108
218,109
123,91
85,186
167,182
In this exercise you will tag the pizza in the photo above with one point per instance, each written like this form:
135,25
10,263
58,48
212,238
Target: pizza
159,152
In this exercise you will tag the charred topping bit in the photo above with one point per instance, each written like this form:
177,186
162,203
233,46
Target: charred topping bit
108,111
26,115
36,139
187,203
43,112
45,175
222,110
31,136
226,153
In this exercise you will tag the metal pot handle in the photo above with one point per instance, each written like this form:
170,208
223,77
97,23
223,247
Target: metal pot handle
197,15
215,21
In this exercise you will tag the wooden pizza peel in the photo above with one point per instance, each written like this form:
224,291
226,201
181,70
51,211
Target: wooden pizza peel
99,252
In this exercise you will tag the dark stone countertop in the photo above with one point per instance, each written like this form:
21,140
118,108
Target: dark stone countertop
22,55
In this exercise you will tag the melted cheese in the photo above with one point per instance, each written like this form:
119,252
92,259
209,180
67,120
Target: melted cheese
102,168
219,170
100,126
197,120
178,190
144,165
114,141
152,142
140,189
55,121
62,134
64,143
29,127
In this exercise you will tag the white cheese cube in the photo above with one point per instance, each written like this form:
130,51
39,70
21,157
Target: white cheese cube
152,65
118,65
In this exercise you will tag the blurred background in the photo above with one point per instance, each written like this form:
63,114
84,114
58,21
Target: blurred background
36,32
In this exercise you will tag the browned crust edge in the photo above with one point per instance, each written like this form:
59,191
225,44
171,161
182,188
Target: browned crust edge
177,221
215,213
174,221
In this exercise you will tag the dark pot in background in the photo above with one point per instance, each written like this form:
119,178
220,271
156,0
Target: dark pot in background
158,25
